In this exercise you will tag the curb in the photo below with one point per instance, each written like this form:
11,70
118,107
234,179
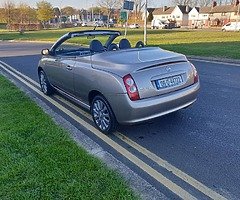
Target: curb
140,186
215,59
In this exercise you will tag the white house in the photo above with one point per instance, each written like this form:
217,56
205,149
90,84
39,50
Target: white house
179,14
163,13
198,17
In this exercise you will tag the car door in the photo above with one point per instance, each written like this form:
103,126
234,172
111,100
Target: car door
64,74
60,72
83,78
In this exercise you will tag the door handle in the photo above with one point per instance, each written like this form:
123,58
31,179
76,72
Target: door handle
69,67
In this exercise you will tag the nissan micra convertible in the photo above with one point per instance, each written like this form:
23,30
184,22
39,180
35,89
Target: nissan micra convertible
116,82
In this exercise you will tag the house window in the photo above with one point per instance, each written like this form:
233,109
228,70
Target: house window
163,17
178,16
193,15
223,14
204,15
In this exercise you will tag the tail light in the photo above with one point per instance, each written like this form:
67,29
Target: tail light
131,87
195,73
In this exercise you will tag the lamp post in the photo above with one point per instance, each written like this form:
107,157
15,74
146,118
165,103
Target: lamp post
145,23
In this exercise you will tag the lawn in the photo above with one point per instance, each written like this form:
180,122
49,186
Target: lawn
39,160
209,42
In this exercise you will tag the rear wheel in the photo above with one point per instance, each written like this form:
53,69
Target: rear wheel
103,115
44,83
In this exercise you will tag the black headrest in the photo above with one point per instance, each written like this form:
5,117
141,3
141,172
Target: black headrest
96,46
124,44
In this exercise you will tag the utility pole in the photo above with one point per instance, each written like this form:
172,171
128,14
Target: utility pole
92,12
145,23
237,20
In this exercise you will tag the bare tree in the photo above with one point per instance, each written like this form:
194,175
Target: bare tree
9,9
109,6
183,2
192,2
138,6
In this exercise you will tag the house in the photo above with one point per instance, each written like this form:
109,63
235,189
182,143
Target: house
213,15
220,15
199,17
179,14
163,14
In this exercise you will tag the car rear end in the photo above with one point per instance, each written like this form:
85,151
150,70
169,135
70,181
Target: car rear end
156,90
153,82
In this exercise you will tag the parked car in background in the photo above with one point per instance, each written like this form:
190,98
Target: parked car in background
84,24
134,26
231,26
117,83
158,24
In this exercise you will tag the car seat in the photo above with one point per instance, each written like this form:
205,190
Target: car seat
96,46
124,44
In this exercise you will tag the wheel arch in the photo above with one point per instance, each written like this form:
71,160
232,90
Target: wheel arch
92,94
39,69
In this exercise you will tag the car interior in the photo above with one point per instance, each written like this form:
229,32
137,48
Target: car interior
96,46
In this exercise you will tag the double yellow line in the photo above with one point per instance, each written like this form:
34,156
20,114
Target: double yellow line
182,193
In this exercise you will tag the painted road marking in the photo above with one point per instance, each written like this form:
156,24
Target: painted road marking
142,165
161,162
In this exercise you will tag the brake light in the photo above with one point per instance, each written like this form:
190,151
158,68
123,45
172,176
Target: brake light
131,87
195,73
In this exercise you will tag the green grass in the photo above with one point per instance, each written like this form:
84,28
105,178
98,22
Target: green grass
207,42
40,161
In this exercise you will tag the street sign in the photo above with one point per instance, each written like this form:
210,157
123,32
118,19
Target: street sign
123,15
128,5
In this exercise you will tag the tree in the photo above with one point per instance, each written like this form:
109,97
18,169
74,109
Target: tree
68,11
109,6
32,15
23,11
183,2
9,9
138,6
44,12
202,3
56,12
150,15
95,10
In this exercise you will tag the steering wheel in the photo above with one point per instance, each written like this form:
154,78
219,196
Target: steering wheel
139,44
113,47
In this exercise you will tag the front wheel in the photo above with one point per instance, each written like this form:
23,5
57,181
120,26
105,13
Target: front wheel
44,83
103,115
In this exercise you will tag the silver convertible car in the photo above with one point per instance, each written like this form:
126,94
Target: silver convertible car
118,83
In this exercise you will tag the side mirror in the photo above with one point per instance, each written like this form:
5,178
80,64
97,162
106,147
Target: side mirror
45,52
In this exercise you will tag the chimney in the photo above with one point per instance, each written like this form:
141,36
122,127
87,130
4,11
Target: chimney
187,9
164,8
214,4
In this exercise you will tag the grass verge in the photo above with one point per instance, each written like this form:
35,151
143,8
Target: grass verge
40,161
206,42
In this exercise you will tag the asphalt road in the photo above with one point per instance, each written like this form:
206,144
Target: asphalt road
202,140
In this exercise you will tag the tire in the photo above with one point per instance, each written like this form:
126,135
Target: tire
103,115
44,83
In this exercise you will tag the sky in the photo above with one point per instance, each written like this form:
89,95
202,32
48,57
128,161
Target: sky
82,3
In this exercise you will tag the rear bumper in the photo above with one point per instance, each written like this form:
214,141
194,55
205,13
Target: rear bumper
129,112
